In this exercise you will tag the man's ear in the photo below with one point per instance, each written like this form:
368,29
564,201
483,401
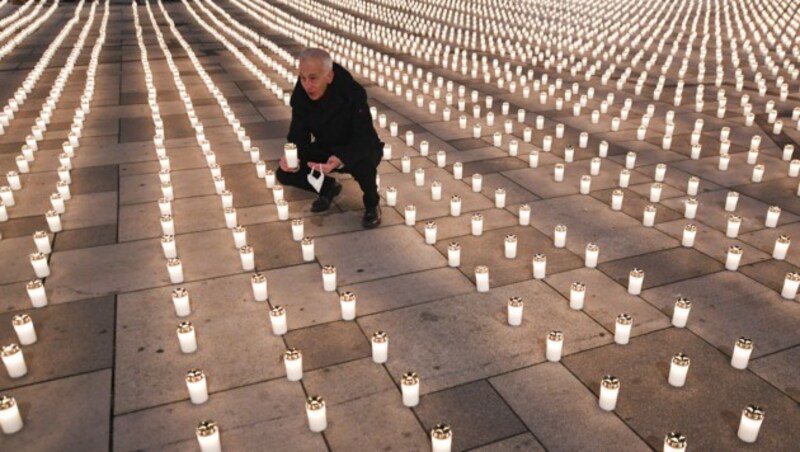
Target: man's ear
330,76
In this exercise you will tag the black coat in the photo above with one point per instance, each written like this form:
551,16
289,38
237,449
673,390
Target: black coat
339,123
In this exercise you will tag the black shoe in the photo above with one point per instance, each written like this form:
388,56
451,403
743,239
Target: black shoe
372,218
323,203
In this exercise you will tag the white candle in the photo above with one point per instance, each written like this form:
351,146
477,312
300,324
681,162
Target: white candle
409,384
10,419
239,236
283,209
175,269
380,347
594,168
539,266
617,196
741,353
690,208
180,300
441,438
307,245
419,177
277,318
781,247
678,369
689,234
649,216
14,361
208,437
187,337
558,172
230,217
477,224
609,390
36,293
622,329
458,171
293,362
441,159
524,215
454,254
23,326
790,285
317,417
511,246
635,281
758,173
269,178
675,442
630,160
692,186
624,178
40,266
655,192
391,196
734,222
347,302
515,306
500,198
734,258
724,161
680,314
560,236
53,220
794,168
731,201
424,146
477,183
197,385
42,242
167,225
577,295
773,214
169,247
329,278
750,423
555,343
586,184
661,171
482,278
411,215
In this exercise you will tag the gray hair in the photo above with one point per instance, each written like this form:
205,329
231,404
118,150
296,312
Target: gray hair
313,53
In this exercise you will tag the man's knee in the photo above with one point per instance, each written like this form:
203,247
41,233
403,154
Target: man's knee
283,177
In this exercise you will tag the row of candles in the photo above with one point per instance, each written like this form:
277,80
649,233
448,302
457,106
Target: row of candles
33,20
12,355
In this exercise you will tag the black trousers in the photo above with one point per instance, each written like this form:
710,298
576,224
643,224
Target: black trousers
364,172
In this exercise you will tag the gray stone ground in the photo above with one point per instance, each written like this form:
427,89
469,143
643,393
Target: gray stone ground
107,372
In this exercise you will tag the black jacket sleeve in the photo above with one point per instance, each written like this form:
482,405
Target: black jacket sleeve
301,137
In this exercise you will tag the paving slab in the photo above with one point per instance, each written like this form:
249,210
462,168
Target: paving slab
523,442
662,267
713,243
778,370
329,344
707,409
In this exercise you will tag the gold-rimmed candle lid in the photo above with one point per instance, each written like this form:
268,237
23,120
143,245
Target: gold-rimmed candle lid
681,359
618,192
328,269
515,302
500,191
511,238
691,200
380,337
683,303
281,202
481,269
561,228
774,209
637,273
315,403
676,440
430,225
257,278
784,239
38,256
292,354
7,402
165,218
238,229
391,189
167,238
477,216
289,147
744,342
10,349
592,247
21,319
436,184
307,241
247,249
195,375
411,208
586,178
578,287
649,208
624,319
34,284
555,335
277,311
733,218
735,249
610,382
441,431
409,379
793,276
657,185
694,179
229,210
166,184
525,207
455,198
173,262
40,235
185,327
347,296
754,412
733,194
539,257
690,227
207,428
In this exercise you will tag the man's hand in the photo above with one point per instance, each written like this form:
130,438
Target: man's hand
332,163
285,166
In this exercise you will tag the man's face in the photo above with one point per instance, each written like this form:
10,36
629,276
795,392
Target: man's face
314,78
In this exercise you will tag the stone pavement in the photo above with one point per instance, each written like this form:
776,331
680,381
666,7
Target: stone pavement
107,372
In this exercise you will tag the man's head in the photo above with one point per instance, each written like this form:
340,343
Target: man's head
315,71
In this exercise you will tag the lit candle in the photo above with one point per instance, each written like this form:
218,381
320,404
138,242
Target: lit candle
441,159
169,247
165,206
307,244
36,293
678,369
649,216
277,318
500,198
622,329
23,326
315,410
208,437
419,176
261,169
40,266
533,159
42,242
617,196
283,209
781,247
750,423
411,215
53,220
441,438
609,390
773,214
180,300
690,208
680,315
741,353
592,253
734,222
790,285
734,258
424,146
167,225
14,361
391,196
511,246
586,184
63,190
555,343
477,183
239,236
230,217
347,301
655,192
524,215
187,337
515,306
482,278
329,278
458,170
454,254
293,362
560,236
477,224
197,385
624,178
731,201
758,173
558,172
380,347
724,162
175,269
635,281
675,442
409,383
577,295
539,266
630,160
10,419
269,178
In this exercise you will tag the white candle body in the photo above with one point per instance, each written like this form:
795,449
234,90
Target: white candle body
622,333
411,217
38,297
348,309
410,395
616,202
175,273
510,249
43,244
553,353
515,315
260,290
748,429
677,375
298,232
170,249
780,250
279,324
524,217
732,261
730,203
649,218
772,218
688,238
308,252
635,285
41,268
182,306
790,287
317,420
680,316
732,231
576,299
15,365
248,260
608,398
482,282
455,208
188,341
690,211
441,445
210,443
329,282
430,236
591,258
453,257
294,369
198,391
560,239
436,192
741,357
10,420
539,269
26,333
380,352
477,226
